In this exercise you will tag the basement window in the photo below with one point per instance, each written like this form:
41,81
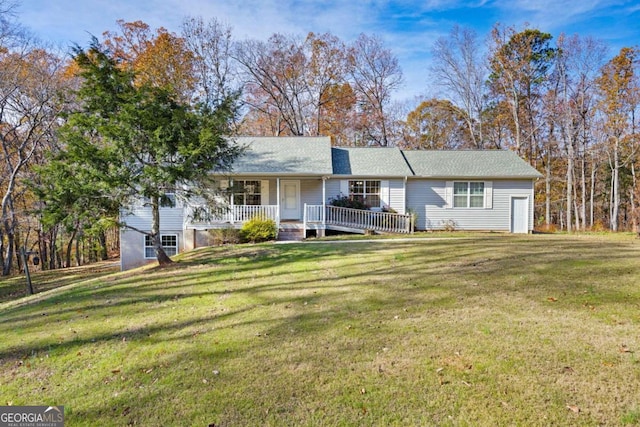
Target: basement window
169,244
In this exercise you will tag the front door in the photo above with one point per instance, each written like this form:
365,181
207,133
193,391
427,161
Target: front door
289,199
519,215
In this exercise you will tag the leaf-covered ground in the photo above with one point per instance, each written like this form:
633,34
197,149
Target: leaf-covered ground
483,330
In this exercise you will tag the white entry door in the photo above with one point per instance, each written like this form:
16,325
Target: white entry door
519,214
289,199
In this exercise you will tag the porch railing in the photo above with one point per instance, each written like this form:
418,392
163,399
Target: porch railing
386,222
232,214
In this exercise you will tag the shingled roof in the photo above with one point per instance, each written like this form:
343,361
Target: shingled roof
284,156
469,164
314,156
369,161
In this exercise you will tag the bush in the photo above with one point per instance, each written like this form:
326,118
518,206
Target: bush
221,236
449,225
346,202
258,230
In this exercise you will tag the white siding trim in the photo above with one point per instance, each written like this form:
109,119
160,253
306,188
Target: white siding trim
488,195
384,194
448,195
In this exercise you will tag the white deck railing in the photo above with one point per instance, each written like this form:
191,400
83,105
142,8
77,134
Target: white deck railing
386,222
200,216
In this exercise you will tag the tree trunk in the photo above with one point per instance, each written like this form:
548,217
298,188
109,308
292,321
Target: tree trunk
592,194
615,205
161,255
583,187
67,256
569,184
78,253
104,251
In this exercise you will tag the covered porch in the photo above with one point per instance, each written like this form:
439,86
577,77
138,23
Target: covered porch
300,205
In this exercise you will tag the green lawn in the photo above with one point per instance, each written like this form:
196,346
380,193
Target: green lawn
485,330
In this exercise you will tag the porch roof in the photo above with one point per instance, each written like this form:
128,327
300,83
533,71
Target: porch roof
469,164
284,156
370,161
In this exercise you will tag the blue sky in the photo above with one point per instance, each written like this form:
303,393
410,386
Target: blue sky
408,28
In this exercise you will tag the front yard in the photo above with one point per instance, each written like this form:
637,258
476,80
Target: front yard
482,330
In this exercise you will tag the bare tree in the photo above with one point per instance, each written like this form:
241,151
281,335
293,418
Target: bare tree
460,69
619,89
375,74
212,44
578,63
30,86
276,83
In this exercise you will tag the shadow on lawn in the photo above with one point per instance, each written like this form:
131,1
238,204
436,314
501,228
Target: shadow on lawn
313,286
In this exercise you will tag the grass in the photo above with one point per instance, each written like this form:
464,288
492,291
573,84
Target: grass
15,286
485,330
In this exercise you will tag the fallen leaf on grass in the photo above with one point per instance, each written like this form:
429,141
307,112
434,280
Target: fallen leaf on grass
115,371
624,349
552,299
573,408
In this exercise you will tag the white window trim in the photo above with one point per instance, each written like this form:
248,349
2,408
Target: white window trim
487,196
382,184
144,245
261,193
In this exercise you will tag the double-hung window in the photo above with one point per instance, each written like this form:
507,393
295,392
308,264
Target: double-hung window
468,194
246,192
365,191
169,243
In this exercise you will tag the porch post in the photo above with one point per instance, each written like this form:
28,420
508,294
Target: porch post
324,199
278,198
233,209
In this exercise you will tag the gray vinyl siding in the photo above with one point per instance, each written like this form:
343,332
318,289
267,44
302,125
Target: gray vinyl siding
332,188
310,192
427,200
140,218
397,195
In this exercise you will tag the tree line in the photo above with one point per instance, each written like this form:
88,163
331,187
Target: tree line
70,134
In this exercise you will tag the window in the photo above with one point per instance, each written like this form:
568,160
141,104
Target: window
468,195
246,193
367,192
169,244
168,200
